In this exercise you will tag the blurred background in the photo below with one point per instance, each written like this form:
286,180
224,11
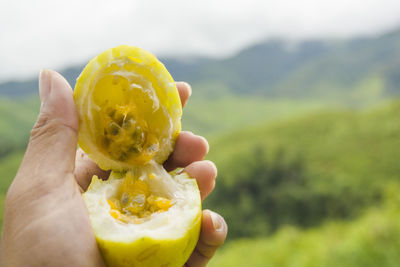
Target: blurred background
298,99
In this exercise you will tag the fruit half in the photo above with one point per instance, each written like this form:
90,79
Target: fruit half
129,113
129,109
165,237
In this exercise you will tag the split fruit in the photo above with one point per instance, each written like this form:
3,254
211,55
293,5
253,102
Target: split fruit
129,116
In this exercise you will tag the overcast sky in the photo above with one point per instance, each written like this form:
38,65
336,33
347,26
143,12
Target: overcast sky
54,34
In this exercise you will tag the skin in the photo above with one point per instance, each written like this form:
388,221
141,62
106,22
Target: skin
45,219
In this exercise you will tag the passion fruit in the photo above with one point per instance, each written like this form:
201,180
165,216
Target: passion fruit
129,118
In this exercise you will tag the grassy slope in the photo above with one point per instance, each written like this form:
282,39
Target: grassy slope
371,240
348,158
222,115
9,166
16,119
213,111
342,142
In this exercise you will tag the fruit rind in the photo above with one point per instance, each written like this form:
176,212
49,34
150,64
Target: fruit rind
150,252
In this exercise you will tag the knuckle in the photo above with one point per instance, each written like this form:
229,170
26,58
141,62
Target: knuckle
45,126
207,250
41,126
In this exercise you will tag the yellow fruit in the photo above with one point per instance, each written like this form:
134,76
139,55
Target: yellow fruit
129,109
129,114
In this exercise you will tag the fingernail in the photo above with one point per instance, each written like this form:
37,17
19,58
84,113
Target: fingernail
44,85
217,221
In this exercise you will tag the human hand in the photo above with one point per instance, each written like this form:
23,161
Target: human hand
45,219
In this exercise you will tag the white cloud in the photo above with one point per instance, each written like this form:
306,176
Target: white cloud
54,33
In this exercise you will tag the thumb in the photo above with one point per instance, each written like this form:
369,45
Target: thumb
53,141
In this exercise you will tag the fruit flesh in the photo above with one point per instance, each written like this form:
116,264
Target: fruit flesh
130,124
134,201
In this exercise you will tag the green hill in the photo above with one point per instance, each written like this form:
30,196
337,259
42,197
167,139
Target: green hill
310,69
304,171
16,120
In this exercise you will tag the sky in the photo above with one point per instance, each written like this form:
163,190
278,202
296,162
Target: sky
57,34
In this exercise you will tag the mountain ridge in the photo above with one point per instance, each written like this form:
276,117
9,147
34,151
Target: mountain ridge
311,68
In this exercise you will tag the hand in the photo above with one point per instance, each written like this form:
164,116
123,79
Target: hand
45,219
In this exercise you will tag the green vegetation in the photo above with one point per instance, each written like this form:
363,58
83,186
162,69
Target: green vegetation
371,240
9,166
16,119
307,170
